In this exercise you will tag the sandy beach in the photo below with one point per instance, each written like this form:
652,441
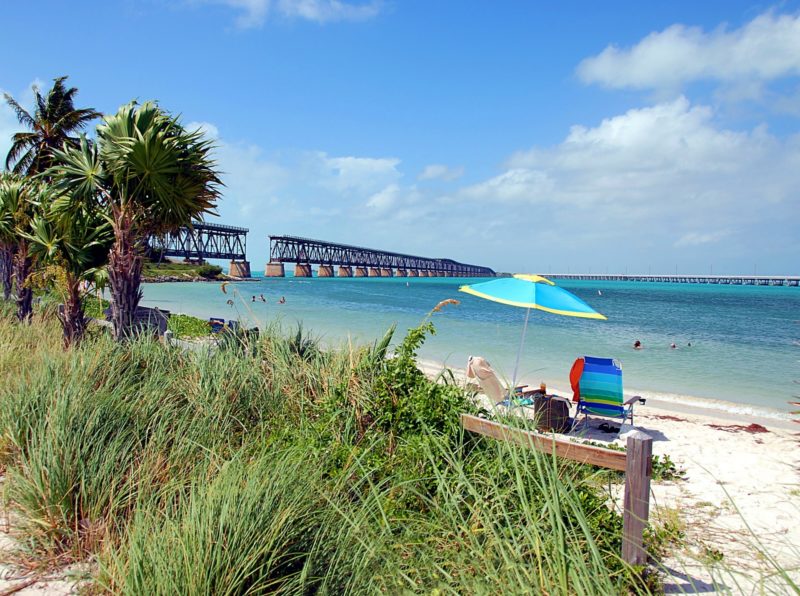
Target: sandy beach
738,499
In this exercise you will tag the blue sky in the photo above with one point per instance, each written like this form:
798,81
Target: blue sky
523,136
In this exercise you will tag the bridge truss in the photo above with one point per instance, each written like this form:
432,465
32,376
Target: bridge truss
292,249
202,241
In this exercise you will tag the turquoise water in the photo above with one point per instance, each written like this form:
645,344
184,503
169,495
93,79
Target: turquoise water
744,340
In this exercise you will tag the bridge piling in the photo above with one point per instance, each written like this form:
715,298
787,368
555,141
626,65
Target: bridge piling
345,271
239,269
302,270
274,270
325,271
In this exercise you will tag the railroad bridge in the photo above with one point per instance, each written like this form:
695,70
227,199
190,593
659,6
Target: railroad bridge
204,241
356,261
728,280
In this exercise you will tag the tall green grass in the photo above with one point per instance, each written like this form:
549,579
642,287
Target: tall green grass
276,466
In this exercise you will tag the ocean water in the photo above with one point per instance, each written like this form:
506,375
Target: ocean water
745,341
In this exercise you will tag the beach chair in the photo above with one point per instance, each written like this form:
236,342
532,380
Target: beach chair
597,389
216,324
479,368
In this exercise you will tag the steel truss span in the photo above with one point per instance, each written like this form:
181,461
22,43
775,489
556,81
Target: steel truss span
291,249
202,241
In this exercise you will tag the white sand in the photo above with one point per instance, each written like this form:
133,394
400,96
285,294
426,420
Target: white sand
740,495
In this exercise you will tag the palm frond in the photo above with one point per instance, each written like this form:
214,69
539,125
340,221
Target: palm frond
22,114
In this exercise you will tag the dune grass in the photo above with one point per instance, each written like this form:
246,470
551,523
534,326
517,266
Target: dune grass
280,467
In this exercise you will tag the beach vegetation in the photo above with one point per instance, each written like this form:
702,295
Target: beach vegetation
20,201
71,233
53,124
153,176
187,326
334,470
209,271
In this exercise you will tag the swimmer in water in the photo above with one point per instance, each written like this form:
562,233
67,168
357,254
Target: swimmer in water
253,299
673,346
262,298
637,345
689,345
282,300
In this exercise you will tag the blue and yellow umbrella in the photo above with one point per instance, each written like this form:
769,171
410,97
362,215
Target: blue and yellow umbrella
532,291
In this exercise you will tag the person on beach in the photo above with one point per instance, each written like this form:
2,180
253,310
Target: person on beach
637,345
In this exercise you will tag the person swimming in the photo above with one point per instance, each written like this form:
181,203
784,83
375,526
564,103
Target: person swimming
673,346
282,300
637,345
262,298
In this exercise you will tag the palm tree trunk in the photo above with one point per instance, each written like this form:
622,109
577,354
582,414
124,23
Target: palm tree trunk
6,269
22,270
72,318
125,274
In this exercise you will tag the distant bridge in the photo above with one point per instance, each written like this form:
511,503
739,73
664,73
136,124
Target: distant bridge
728,280
356,261
204,241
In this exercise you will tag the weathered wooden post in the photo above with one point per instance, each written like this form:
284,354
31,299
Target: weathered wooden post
638,470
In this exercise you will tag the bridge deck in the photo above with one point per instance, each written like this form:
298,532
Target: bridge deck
294,249
735,280
203,241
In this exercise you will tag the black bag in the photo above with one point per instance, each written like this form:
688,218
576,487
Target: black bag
552,413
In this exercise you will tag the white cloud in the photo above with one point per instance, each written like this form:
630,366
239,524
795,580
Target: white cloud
441,172
765,49
698,238
656,176
355,174
384,199
253,13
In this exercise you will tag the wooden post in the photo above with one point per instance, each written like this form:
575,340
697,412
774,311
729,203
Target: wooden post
636,510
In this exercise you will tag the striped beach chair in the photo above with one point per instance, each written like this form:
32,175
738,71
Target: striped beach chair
597,389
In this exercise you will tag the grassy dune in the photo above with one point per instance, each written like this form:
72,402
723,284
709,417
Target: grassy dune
278,467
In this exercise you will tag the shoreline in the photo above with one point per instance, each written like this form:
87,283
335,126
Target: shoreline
715,409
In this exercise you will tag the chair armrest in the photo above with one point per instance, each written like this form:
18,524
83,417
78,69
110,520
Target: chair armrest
634,399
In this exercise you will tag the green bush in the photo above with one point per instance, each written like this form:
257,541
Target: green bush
209,271
187,326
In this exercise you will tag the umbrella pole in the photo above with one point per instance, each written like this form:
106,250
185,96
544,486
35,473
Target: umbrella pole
519,353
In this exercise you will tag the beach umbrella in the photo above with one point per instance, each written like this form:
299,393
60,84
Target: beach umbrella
531,291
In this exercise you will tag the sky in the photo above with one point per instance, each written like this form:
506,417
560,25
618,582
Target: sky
524,136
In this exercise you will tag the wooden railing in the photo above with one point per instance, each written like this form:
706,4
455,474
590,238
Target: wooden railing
636,463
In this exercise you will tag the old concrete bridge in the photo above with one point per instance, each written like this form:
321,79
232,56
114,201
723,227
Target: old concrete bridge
356,261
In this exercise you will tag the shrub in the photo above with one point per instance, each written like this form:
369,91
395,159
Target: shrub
209,271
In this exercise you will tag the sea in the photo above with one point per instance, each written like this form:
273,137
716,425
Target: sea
738,347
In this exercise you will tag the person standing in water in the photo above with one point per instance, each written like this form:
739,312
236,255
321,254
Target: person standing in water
637,345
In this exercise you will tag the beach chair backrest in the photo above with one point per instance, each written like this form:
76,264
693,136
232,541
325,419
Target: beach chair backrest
600,387
478,368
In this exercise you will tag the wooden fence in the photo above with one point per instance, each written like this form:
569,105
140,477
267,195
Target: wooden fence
636,463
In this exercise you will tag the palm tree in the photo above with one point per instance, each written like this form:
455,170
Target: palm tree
153,176
19,201
74,234
53,123
8,238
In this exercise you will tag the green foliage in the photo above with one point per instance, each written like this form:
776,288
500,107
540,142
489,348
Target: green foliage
406,401
209,271
187,326
274,469
53,124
